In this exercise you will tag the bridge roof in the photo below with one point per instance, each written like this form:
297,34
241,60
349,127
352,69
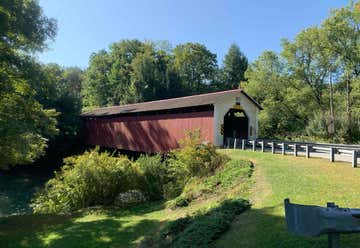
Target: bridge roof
172,103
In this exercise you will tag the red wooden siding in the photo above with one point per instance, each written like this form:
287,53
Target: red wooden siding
154,133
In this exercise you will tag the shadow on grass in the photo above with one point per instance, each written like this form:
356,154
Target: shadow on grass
97,228
115,228
267,228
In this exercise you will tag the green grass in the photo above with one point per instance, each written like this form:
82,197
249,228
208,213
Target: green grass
304,181
234,176
100,227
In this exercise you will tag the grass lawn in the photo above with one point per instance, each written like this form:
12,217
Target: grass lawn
305,181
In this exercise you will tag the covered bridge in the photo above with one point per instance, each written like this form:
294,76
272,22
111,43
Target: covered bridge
158,126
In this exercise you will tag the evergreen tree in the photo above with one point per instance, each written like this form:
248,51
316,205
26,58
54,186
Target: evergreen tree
235,65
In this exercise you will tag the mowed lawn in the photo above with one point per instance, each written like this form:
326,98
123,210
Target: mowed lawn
305,181
276,177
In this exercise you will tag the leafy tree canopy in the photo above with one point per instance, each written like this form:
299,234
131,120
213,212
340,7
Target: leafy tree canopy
25,125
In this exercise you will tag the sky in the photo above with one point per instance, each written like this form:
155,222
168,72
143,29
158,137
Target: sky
86,26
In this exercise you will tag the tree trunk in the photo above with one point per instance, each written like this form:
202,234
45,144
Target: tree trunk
331,125
348,110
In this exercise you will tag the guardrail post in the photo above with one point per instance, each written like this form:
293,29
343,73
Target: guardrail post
354,159
295,150
262,146
332,154
254,145
235,144
272,147
243,144
283,149
307,151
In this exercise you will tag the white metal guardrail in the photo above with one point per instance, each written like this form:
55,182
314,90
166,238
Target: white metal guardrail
286,147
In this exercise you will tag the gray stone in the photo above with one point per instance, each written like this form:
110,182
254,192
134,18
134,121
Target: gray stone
129,198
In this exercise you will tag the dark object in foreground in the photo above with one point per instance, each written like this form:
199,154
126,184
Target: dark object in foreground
312,221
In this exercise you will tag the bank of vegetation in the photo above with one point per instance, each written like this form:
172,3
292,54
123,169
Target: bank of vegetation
190,196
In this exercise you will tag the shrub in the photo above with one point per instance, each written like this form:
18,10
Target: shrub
173,229
194,159
206,228
200,159
154,176
97,178
202,229
90,179
225,177
178,175
179,202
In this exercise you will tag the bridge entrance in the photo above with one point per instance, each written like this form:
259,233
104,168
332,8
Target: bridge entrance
236,124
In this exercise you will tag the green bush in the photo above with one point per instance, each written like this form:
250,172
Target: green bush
194,159
97,178
206,228
229,175
202,229
199,158
90,179
154,176
178,175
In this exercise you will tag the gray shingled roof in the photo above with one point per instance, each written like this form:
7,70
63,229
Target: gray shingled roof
173,103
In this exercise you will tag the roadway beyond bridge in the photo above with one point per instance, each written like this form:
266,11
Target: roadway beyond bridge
333,152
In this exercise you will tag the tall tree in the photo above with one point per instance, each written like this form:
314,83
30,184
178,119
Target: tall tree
342,30
269,83
96,89
235,65
152,76
107,81
196,66
308,62
25,125
121,56
62,93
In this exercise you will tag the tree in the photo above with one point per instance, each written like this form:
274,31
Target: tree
64,87
25,126
308,62
96,90
23,27
342,31
107,81
62,93
235,65
196,66
149,75
133,71
269,83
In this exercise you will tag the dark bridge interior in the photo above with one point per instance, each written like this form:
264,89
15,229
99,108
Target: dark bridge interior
236,124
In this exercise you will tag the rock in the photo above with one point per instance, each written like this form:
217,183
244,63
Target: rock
129,198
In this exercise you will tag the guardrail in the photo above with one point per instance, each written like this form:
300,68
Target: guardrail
308,149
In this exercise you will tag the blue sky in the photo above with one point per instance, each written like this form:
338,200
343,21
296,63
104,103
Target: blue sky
86,26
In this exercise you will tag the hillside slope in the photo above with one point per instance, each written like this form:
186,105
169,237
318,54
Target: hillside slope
304,181
212,202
